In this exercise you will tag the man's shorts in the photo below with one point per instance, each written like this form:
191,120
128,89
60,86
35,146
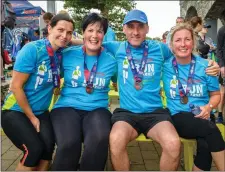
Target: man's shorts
141,122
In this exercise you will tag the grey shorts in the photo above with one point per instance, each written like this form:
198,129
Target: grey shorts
141,122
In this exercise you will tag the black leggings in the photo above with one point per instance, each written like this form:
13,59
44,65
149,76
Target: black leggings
71,128
207,134
21,132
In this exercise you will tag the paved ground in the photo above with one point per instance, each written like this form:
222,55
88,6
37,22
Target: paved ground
143,155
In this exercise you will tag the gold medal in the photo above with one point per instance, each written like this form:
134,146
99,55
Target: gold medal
138,85
89,89
56,91
184,100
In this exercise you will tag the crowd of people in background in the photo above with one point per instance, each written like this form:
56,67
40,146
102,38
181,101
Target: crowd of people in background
85,64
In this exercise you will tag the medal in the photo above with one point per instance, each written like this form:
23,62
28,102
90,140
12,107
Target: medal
184,100
89,89
182,92
56,91
138,74
90,75
138,85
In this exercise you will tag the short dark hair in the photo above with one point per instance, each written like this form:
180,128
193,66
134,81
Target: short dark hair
195,21
59,17
93,18
47,16
37,31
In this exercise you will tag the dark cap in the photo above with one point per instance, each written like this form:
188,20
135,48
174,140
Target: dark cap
207,26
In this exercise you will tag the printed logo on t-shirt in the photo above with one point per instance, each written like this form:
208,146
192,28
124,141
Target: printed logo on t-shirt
149,70
196,89
99,81
75,76
125,69
40,74
173,86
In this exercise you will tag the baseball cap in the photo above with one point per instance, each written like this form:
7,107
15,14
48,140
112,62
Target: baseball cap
135,15
207,26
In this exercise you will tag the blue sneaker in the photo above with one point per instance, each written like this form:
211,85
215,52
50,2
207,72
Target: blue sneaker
219,119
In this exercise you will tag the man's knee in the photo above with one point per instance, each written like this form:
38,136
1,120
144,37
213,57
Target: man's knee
119,137
172,147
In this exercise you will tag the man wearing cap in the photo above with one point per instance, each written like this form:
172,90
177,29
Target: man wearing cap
141,109
205,38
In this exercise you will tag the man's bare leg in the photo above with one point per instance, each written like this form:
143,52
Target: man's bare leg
166,135
121,134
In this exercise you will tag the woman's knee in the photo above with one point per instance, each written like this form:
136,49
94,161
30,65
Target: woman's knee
215,137
69,145
32,154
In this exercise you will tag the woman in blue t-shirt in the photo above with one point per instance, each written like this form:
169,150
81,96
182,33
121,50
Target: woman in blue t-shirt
186,85
25,117
81,114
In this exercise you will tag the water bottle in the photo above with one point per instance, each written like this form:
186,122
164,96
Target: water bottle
195,109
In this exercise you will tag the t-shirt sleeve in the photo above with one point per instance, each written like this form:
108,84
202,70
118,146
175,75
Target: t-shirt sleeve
26,59
111,47
166,52
213,83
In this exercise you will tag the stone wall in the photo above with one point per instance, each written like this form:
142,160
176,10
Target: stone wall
202,7
210,11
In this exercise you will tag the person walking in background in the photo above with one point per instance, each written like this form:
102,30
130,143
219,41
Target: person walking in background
47,18
197,88
221,57
26,106
178,21
201,47
164,36
211,53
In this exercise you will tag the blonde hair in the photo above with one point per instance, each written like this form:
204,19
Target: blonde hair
185,26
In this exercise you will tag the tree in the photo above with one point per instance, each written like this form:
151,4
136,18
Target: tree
113,10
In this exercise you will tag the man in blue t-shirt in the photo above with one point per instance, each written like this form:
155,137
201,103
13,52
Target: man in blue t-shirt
141,111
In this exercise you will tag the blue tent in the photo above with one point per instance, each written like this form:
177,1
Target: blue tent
27,15
23,8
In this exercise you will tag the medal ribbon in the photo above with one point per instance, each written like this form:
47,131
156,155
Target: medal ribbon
55,61
90,76
190,76
138,74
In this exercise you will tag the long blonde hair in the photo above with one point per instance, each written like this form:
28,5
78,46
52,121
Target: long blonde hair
188,27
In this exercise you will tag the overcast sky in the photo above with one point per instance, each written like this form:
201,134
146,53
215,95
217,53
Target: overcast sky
161,14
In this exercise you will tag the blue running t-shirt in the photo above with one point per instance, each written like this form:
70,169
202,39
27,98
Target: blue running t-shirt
199,92
148,98
33,59
74,93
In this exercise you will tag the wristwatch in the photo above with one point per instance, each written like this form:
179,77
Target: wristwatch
211,106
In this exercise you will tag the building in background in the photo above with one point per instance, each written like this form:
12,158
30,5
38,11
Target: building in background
210,11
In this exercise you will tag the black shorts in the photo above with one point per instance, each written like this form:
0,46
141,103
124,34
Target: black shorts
141,122
21,132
